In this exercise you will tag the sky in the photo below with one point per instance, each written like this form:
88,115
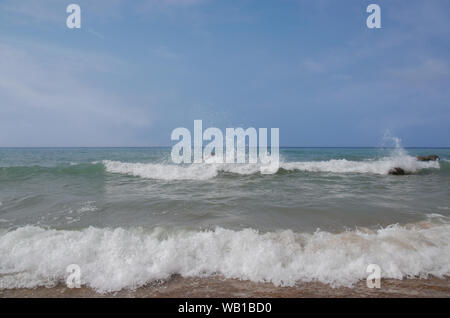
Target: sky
136,70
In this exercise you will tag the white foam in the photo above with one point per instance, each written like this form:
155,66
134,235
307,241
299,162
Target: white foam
208,171
381,166
177,172
113,259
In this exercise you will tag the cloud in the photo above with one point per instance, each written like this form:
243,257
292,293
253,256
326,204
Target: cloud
166,53
53,99
431,69
54,11
313,66
32,10
96,34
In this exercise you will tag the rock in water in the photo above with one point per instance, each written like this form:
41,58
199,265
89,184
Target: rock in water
428,158
397,171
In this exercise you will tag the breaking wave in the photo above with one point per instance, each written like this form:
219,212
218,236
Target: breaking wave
178,172
380,166
208,171
203,171
114,259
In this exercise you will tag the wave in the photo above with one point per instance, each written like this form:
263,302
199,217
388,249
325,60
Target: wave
23,172
380,166
208,171
114,259
166,171
178,172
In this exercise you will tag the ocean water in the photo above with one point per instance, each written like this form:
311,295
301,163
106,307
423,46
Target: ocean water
129,217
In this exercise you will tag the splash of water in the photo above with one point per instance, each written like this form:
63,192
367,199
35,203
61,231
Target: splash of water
394,142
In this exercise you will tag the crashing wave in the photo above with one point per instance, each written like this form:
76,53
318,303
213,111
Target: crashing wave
113,259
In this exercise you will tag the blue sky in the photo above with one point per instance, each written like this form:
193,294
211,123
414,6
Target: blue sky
138,69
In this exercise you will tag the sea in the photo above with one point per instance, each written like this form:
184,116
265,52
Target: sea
130,218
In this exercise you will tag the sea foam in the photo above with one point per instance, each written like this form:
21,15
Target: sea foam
205,171
114,259
178,172
380,166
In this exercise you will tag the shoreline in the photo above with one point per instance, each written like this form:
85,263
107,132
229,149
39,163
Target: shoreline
218,287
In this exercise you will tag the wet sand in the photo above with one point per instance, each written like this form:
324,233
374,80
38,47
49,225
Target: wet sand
217,287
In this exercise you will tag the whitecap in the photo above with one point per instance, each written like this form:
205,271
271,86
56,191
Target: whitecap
113,259
206,171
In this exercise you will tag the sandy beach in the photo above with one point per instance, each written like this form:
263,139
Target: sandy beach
217,287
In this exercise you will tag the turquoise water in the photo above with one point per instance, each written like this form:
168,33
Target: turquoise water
75,188
324,215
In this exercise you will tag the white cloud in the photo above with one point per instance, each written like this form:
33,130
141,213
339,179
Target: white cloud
313,66
429,70
54,11
51,100
35,10
166,53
